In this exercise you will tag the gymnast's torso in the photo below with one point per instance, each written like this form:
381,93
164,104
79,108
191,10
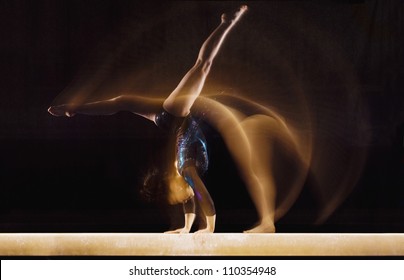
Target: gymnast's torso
191,145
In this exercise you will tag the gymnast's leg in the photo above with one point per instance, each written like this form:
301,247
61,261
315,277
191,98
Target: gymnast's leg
182,98
179,102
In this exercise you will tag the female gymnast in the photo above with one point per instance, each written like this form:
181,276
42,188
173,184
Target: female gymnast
175,114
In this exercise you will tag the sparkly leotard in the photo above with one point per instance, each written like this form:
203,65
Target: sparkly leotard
191,150
191,146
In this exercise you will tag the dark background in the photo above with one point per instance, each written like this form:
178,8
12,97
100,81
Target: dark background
82,174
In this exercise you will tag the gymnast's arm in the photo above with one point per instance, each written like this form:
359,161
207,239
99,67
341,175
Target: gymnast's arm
189,216
143,106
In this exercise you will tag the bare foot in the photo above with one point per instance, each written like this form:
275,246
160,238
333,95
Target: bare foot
262,228
233,18
61,110
56,111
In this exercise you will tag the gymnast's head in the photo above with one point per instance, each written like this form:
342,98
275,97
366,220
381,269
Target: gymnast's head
161,186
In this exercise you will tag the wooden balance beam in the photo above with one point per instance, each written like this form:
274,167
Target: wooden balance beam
217,244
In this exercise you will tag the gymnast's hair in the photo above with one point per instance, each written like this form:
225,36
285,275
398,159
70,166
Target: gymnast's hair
154,188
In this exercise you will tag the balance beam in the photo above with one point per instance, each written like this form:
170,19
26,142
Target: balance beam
217,244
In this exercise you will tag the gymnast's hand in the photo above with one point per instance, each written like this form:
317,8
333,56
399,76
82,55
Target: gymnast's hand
210,225
62,110
205,230
179,230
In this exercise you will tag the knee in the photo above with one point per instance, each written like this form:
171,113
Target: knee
206,67
203,65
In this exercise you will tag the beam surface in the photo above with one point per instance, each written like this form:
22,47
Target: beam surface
217,244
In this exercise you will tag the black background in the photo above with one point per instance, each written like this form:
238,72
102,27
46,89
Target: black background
82,174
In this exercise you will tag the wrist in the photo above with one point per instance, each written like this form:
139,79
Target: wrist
189,220
210,222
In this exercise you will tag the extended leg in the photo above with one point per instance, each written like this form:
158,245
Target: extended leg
179,101
142,106
182,98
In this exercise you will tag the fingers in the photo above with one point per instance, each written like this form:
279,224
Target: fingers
177,231
205,230
184,231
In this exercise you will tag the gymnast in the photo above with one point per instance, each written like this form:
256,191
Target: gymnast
174,115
